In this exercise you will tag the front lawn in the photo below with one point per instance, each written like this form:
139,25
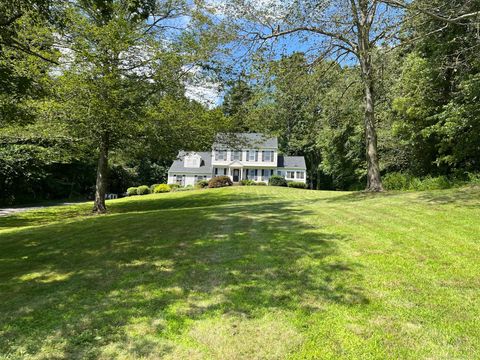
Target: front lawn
245,273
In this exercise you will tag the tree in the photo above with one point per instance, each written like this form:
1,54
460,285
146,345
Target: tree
235,103
336,28
120,54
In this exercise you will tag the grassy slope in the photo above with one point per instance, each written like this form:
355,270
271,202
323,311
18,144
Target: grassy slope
245,273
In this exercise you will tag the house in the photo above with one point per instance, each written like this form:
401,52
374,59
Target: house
240,156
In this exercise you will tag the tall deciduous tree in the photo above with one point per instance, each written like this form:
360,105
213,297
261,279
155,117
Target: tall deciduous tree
119,53
336,28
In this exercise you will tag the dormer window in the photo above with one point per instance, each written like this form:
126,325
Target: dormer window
192,161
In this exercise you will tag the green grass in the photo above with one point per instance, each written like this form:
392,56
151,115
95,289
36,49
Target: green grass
245,273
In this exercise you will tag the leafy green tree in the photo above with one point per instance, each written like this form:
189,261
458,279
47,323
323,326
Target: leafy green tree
236,102
122,57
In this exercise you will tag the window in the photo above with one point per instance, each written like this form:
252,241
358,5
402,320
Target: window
252,155
266,173
252,174
179,179
237,155
279,173
267,156
225,171
300,175
290,174
216,171
192,162
221,155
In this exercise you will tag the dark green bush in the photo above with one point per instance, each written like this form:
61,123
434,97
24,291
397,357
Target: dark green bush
297,185
162,188
143,190
277,181
201,184
131,191
261,183
247,182
220,181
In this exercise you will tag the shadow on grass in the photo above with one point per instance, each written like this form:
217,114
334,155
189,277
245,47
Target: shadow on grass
468,196
83,285
186,200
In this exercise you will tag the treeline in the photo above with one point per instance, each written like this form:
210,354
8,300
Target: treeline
427,114
92,92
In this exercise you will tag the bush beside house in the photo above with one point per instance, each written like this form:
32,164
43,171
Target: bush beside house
201,184
143,190
277,181
131,191
297,185
162,188
220,181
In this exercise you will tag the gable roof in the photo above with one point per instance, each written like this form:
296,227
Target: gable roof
205,164
291,162
245,140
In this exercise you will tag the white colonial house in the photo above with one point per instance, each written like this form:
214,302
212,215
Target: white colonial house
239,156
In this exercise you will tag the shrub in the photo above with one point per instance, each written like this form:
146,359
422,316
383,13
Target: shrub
406,182
220,181
261,183
152,188
473,178
131,191
297,185
174,187
186,188
202,184
397,181
276,180
247,182
143,190
435,183
162,188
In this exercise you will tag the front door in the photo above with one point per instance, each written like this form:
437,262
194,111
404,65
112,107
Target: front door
236,175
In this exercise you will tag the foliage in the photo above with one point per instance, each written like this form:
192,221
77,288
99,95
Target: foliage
261,183
247,182
276,180
297,185
185,188
143,190
131,191
162,188
201,184
152,188
220,181
407,182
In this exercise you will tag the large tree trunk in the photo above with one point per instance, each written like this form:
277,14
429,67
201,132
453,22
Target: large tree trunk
374,181
99,206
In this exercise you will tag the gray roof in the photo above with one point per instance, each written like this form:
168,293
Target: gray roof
291,162
205,165
245,141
